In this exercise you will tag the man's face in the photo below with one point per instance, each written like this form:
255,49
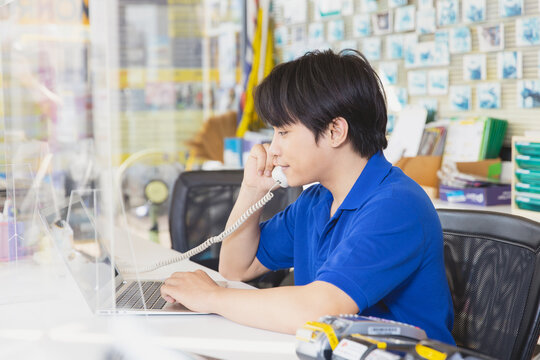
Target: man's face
303,160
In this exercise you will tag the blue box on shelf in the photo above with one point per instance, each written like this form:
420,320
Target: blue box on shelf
484,196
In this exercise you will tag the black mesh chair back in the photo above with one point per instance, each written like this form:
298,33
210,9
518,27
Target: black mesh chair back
493,268
201,204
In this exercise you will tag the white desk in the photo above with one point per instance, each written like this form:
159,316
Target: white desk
44,316
441,204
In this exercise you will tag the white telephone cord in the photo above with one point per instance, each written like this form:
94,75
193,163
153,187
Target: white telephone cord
210,241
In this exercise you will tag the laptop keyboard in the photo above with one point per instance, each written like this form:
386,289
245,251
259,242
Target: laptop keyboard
131,298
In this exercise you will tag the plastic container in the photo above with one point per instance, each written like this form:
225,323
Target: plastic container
527,203
528,148
531,177
528,188
528,162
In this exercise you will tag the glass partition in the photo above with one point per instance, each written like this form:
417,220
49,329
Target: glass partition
115,90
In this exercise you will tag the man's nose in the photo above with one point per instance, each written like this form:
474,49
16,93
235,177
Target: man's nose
273,148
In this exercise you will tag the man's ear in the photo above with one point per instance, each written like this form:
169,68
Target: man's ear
338,131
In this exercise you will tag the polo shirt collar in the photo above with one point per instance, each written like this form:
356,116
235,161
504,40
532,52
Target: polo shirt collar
373,174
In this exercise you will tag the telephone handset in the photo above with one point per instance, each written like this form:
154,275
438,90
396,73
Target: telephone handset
279,176
280,180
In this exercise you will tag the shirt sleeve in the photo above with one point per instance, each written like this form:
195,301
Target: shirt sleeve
276,244
382,248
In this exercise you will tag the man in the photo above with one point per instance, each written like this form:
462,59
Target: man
366,239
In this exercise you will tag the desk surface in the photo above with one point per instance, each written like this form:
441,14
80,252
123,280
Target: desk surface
43,315
441,204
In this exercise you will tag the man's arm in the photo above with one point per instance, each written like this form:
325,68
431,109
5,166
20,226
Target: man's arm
283,309
237,259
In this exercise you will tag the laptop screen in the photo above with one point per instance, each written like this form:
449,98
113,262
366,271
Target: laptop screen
78,243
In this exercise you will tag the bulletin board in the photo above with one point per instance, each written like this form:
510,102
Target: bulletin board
464,58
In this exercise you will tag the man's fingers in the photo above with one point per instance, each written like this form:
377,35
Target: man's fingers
259,153
269,160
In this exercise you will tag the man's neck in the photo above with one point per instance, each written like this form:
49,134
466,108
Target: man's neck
342,176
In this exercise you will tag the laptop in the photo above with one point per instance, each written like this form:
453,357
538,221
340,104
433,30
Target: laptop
89,262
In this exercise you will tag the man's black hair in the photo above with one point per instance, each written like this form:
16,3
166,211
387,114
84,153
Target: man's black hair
321,86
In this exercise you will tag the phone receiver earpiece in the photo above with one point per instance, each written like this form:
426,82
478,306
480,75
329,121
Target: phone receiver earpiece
279,176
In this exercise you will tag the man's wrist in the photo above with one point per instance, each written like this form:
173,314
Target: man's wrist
216,300
253,190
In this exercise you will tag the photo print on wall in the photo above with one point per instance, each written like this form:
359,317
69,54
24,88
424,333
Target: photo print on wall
335,30
510,8
382,22
509,65
460,97
388,72
460,40
474,67
447,12
490,37
488,95
361,25
473,10
417,82
371,48
438,82
528,94
425,21
404,18
528,31
316,33
396,3
394,46
368,6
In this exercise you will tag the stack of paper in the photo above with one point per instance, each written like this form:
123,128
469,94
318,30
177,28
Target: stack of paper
474,139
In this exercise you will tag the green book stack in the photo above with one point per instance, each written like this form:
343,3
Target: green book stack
493,137
474,139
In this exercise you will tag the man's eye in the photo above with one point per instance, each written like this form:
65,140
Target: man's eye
282,133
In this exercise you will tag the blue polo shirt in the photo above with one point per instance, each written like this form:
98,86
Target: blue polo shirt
383,247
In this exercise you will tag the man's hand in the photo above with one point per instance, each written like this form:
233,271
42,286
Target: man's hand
195,290
258,168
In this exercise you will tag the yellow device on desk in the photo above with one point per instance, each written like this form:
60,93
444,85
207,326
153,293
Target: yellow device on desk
361,347
318,339
280,179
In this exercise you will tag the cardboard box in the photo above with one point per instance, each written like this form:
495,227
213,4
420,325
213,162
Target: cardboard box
423,170
484,196
490,168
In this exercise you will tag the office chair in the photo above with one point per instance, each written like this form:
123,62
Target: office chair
200,206
492,264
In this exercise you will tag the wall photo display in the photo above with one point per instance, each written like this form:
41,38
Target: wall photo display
394,46
361,25
460,97
417,82
473,10
510,8
490,37
371,48
528,31
474,67
529,94
404,18
316,33
438,82
388,71
382,22
488,95
509,65
335,30
425,21
447,12
460,40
